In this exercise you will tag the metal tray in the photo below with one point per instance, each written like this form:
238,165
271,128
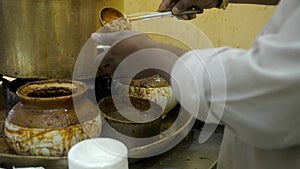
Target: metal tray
174,127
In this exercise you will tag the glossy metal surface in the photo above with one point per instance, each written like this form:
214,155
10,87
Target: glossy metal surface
108,14
42,39
188,154
136,129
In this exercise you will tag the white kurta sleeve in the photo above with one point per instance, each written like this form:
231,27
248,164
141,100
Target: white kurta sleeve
260,87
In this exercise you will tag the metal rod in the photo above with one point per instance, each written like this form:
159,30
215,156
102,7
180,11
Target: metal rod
147,16
154,15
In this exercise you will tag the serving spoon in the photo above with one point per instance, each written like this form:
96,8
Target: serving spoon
108,14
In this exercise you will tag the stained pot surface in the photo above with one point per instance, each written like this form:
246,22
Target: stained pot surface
52,104
51,117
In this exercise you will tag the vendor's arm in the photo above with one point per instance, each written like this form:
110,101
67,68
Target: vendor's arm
261,85
183,5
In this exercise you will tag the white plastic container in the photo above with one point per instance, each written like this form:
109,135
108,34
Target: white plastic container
98,153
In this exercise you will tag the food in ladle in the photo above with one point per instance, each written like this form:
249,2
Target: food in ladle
110,14
116,25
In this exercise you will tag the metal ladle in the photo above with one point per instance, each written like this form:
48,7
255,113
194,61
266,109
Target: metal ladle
108,14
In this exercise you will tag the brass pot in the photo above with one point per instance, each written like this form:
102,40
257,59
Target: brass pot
42,39
51,117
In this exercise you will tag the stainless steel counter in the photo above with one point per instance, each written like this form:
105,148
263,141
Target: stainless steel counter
189,154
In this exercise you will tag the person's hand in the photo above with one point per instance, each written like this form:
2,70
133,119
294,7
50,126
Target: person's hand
179,6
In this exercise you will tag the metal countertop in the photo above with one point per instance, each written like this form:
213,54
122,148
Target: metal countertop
189,154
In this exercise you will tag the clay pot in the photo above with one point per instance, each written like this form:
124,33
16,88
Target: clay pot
153,88
142,109
51,117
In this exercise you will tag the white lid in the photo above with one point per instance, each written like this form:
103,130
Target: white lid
98,153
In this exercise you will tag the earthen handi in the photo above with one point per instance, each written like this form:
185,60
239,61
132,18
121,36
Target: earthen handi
50,118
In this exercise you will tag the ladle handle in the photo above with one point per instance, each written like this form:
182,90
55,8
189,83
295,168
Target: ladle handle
154,15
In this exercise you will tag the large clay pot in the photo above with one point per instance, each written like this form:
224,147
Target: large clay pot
51,117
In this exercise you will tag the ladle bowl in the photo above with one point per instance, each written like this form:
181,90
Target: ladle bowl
108,14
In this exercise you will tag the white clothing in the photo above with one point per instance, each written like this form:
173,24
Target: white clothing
262,89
